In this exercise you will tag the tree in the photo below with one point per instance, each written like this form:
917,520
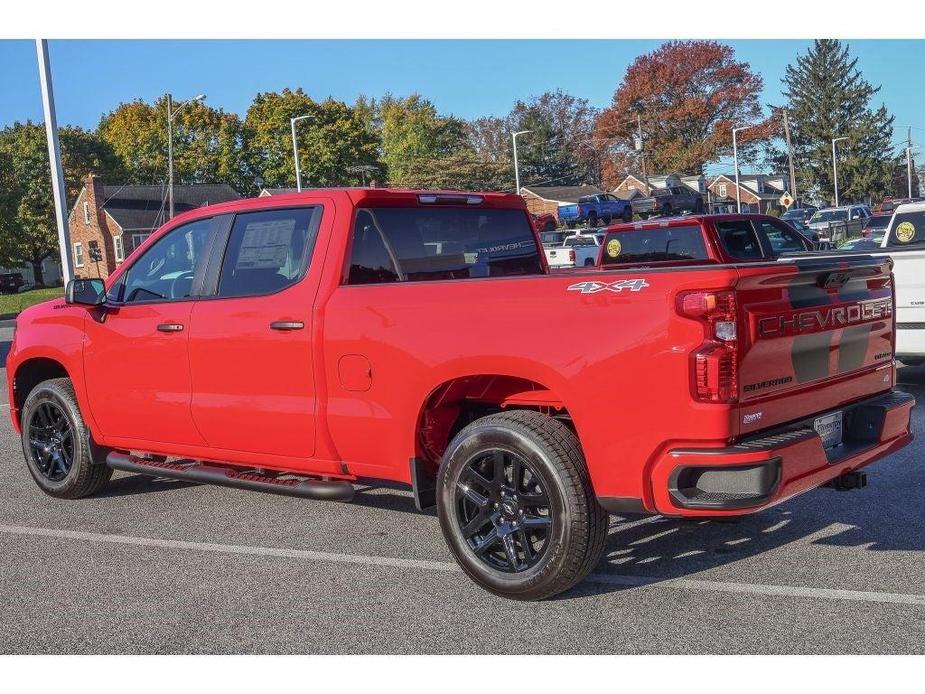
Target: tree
689,95
559,148
28,232
208,144
337,147
829,98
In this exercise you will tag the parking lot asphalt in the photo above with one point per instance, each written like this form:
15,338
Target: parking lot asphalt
153,566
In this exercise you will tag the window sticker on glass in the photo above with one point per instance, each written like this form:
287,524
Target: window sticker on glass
266,244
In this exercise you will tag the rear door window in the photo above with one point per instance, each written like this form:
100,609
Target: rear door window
780,238
415,244
665,244
907,229
739,240
268,251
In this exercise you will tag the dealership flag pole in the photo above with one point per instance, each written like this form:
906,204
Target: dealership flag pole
54,156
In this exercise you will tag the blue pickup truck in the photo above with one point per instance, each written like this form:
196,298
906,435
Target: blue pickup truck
600,208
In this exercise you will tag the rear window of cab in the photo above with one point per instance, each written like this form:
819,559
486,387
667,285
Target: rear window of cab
662,244
907,229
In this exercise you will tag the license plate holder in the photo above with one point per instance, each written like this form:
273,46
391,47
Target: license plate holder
830,428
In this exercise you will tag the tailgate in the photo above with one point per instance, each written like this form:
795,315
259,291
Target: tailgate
816,333
568,211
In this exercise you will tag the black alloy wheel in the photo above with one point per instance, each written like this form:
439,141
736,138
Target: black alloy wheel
503,511
51,441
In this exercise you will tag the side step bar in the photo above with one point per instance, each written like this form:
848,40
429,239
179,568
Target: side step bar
324,490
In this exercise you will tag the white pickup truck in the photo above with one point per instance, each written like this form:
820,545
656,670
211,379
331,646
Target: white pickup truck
904,242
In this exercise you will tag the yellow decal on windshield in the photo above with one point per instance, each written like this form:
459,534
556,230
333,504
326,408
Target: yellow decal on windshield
905,232
614,248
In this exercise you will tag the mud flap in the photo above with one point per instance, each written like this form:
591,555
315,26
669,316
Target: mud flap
424,485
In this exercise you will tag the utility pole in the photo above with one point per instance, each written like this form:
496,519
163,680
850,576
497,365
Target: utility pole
54,158
170,116
793,178
909,159
835,167
295,152
516,171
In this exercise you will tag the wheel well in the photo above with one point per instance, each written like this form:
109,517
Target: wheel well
456,403
32,372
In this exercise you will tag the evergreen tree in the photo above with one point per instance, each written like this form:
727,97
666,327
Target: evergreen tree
828,98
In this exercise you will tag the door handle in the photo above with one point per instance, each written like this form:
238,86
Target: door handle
170,327
287,325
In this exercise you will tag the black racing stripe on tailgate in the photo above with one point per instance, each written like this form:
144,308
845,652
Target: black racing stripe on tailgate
855,341
809,355
803,295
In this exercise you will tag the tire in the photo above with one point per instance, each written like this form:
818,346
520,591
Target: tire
589,262
666,210
550,226
570,225
565,542
627,214
51,412
592,221
698,206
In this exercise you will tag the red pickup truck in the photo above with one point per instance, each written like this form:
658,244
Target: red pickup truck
698,239
300,343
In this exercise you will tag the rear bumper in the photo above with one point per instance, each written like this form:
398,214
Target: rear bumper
765,470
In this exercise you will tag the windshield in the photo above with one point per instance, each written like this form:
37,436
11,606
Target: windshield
829,216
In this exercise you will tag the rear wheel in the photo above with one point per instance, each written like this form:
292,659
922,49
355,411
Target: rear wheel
592,220
516,506
698,206
56,443
666,210
627,214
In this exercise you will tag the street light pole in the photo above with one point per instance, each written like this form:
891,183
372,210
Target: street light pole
171,113
516,170
835,167
295,152
54,157
735,158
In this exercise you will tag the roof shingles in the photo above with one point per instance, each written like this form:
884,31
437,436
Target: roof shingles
145,207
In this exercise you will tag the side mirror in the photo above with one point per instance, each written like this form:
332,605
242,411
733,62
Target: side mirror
91,292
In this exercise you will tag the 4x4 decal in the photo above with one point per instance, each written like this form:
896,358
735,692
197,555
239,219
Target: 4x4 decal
618,286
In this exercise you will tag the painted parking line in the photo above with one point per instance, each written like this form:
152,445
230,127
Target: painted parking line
393,562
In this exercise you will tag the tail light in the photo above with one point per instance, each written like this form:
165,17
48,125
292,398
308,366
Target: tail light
714,365
571,256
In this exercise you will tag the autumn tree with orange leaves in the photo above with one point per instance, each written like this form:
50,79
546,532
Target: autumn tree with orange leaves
689,95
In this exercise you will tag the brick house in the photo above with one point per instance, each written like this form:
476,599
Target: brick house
632,186
547,199
757,192
116,219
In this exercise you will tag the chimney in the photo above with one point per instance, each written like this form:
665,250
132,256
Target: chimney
94,197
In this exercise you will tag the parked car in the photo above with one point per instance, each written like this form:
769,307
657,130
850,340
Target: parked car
601,208
847,220
586,247
544,222
558,257
876,225
799,214
699,239
889,204
11,282
669,201
301,343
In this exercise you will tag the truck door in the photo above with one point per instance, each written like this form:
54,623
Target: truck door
251,342
135,349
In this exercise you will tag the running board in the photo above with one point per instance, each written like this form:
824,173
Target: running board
324,490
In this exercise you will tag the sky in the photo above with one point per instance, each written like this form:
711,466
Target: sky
463,78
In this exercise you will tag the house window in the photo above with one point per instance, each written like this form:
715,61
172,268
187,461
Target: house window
86,213
138,239
78,255
722,190
119,248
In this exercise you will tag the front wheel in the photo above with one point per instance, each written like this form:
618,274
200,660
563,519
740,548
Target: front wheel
56,443
516,506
